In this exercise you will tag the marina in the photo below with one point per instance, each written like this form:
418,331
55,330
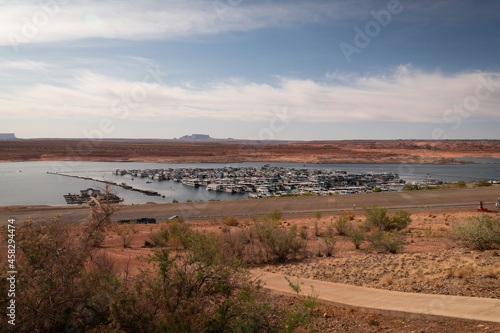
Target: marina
269,180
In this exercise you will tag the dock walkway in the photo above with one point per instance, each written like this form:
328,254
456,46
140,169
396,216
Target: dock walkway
392,303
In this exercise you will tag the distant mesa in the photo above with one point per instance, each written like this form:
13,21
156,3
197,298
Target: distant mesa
195,137
7,136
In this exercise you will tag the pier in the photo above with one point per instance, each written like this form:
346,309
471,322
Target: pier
107,182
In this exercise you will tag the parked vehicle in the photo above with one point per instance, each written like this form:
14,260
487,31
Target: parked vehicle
143,220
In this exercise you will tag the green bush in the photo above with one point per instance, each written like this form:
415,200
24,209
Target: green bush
377,218
281,244
342,225
480,232
159,238
301,313
400,219
387,241
275,215
230,221
357,236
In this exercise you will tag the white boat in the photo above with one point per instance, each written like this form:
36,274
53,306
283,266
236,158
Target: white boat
214,187
191,182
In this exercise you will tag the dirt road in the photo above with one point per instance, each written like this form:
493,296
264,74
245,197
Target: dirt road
411,200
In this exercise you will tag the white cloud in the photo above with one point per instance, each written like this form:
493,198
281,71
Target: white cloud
404,95
154,19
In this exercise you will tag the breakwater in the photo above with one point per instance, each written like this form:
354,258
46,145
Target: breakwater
107,182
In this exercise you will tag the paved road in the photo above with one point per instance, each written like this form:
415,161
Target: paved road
392,303
464,198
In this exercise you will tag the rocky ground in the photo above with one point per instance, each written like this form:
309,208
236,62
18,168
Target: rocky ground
456,272
329,319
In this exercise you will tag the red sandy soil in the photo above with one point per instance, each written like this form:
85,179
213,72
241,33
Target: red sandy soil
354,151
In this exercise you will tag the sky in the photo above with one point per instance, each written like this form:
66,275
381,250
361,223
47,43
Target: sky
251,69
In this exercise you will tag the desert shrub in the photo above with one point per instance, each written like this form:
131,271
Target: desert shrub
342,225
317,232
480,232
59,284
461,184
201,289
126,233
377,218
483,182
300,313
303,232
400,219
279,243
386,241
275,215
377,190
330,229
318,215
230,221
179,233
357,236
349,215
330,242
159,238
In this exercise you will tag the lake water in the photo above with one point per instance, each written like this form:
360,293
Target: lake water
28,183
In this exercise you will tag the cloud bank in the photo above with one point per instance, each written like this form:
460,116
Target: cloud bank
403,95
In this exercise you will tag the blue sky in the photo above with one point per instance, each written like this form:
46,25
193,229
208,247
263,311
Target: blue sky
248,69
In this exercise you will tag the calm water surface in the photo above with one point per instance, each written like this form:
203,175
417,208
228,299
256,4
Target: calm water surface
28,183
